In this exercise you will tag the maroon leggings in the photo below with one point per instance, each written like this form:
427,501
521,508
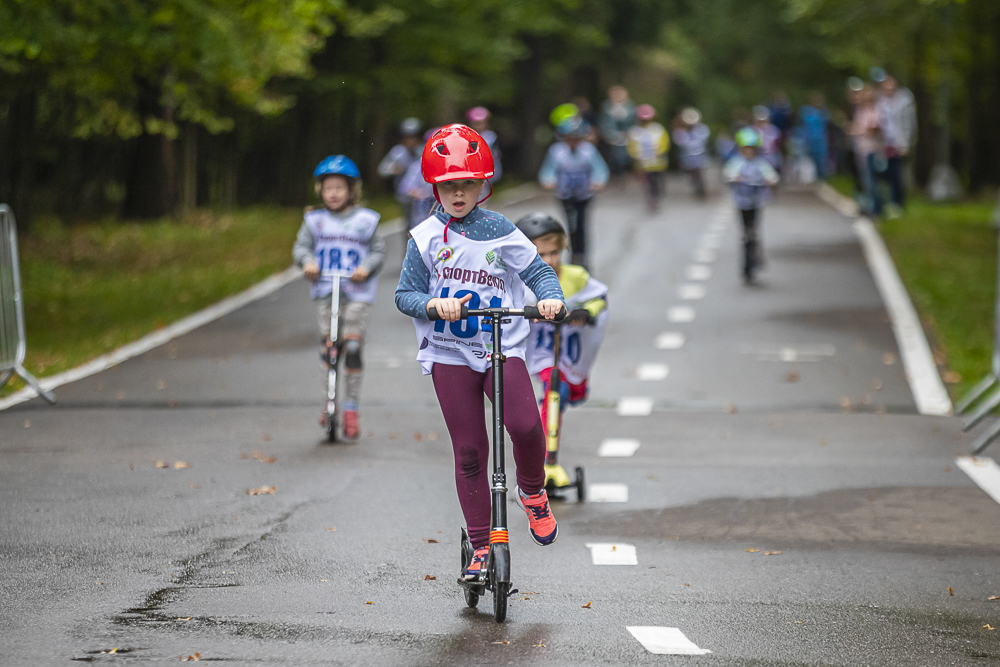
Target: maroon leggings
460,392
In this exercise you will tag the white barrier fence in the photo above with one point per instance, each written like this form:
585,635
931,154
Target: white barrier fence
12,342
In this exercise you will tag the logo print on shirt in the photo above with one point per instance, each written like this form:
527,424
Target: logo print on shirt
494,256
444,254
490,257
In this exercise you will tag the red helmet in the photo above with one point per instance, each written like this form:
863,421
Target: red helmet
454,152
645,112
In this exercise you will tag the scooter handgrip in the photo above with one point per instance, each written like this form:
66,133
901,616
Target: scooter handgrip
433,314
531,313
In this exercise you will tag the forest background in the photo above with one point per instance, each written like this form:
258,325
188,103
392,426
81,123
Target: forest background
144,108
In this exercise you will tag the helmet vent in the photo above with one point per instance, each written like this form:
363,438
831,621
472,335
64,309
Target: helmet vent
442,149
473,147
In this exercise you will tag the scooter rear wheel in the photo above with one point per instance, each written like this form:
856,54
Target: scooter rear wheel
581,487
331,428
471,597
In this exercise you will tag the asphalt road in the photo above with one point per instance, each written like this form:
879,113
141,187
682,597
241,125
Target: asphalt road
783,423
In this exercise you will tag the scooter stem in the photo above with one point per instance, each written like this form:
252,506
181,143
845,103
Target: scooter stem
499,489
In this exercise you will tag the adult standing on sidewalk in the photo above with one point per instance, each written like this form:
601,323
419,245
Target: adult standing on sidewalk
617,117
691,136
867,135
898,117
815,118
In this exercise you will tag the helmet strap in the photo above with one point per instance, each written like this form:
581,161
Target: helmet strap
487,196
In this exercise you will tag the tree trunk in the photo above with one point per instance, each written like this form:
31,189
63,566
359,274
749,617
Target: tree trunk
19,176
189,178
532,102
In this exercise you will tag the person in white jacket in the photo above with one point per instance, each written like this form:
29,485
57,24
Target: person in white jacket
897,113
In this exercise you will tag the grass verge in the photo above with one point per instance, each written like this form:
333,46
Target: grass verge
90,288
946,255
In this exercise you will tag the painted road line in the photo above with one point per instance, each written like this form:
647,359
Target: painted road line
925,382
612,554
704,255
691,292
791,353
842,203
607,493
984,471
635,406
669,340
618,447
698,272
665,641
157,338
680,314
652,372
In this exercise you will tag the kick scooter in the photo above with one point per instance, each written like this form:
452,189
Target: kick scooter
330,356
556,478
497,577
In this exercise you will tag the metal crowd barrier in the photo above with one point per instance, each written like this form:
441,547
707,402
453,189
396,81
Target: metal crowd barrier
12,343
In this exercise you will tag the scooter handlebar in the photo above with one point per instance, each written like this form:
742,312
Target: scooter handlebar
528,312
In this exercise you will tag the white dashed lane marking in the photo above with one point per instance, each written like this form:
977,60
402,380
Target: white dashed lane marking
691,292
652,372
680,314
789,353
984,471
635,406
612,554
618,447
697,272
607,493
669,340
665,641
703,255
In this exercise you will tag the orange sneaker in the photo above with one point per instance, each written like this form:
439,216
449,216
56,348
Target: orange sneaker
352,429
477,568
541,524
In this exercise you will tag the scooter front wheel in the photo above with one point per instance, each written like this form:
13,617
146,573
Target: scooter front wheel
581,487
331,427
500,578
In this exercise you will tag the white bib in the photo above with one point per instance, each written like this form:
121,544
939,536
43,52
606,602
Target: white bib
488,270
580,344
341,245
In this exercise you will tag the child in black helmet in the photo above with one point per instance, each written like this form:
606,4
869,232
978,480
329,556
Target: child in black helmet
586,301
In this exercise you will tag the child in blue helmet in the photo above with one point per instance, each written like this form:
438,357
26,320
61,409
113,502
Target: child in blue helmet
751,177
575,170
342,236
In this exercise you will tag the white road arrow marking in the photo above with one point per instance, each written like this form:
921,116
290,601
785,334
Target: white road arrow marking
665,641
607,493
613,554
635,406
618,447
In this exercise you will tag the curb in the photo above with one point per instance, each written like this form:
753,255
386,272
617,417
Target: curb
148,342
921,372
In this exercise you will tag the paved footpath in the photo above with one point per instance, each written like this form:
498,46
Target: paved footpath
783,501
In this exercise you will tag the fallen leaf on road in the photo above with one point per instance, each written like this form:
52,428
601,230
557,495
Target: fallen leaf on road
731,409
418,436
614,548
888,358
262,491
988,627
432,541
331,530
194,486
525,598
162,464
266,438
324,580
191,658
112,651
993,597
951,592
800,622
792,376
845,402
244,457
369,602
752,550
771,553
27,423
538,645
181,465
534,593
264,458
432,435
183,619
687,584
586,606
876,384
947,468
428,577
823,442
501,642
951,377
393,436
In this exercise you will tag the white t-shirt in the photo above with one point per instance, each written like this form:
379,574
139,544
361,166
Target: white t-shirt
580,344
341,245
486,269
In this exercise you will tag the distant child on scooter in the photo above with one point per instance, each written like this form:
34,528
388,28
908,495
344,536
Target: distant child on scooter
465,255
648,143
583,332
342,237
751,177
575,170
